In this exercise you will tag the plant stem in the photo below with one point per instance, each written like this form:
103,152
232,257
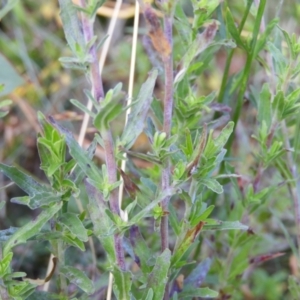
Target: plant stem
167,125
168,109
294,189
98,93
230,55
114,195
95,77
61,258
246,73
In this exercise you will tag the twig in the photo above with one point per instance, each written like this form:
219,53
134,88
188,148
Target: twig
98,93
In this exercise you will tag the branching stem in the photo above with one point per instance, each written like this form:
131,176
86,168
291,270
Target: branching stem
98,93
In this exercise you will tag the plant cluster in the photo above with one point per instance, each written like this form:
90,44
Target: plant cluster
191,224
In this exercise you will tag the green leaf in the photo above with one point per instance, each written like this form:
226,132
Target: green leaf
108,113
198,274
203,216
294,287
213,185
73,223
221,140
102,223
82,107
138,114
122,283
4,103
150,294
72,240
77,174
78,278
38,194
203,10
278,104
174,220
200,292
199,147
184,242
73,63
158,278
289,43
156,107
140,249
182,24
225,225
81,157
213,146
231,27
280,61
291,103
20,289
32,228
71,25
6,8
266,35
264,105
201,42
5,263
144,212
8,76
39,295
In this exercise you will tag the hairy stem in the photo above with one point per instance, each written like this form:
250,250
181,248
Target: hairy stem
167,125
61,259
98,93
95,77
168,109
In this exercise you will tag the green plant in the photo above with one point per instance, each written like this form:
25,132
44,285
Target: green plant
207,238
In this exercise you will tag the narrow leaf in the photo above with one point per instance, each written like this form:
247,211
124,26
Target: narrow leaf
73,223
141,250
7,7
294,287
186,242
158,278
144,212
213,185
9,77
81,157
226,225
82,107
78,278
32,228
231,27
137,117
71,25
198,275
200,292
264,105
198,151
5,263
25,182
102,223
108,113
122,283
